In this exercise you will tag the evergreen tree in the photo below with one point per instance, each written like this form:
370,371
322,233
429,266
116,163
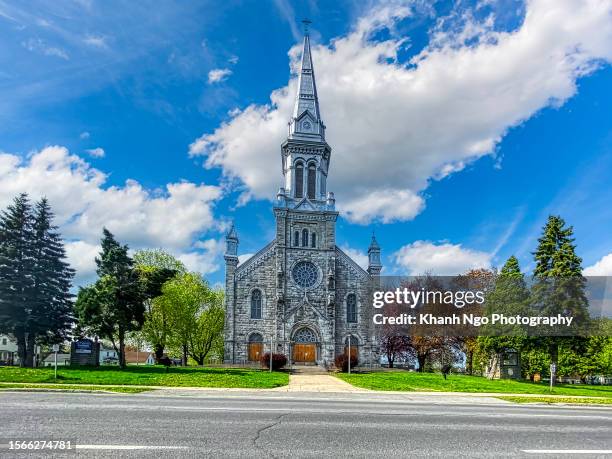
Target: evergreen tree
52,311
509,296
35,280
16,273
114,305
559,288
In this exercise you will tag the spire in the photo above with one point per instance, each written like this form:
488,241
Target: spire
373,244
231,243
306,121
374,264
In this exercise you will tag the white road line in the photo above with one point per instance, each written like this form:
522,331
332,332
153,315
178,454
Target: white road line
127,447
567,451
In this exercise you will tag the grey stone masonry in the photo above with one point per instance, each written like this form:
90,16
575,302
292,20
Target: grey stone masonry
301,295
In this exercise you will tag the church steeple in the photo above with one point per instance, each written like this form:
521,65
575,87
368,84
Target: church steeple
306,120
305,153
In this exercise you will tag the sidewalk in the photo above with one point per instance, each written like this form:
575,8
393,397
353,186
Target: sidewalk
317,383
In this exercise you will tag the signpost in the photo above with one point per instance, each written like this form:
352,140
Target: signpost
553,371
55,350
349,354
271,349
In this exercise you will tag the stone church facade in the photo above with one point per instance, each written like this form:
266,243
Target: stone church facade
301,295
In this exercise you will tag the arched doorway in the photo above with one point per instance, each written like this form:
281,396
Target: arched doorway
255,347
305,346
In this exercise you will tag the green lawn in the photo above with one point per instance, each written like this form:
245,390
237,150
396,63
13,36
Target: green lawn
410,381
29,387
148,376
549,400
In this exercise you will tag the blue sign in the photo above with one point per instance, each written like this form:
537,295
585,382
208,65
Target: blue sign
84,346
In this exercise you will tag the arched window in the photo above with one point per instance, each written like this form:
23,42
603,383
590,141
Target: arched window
296,239
313,240
299,180
312,181
351,308
304,237
256,304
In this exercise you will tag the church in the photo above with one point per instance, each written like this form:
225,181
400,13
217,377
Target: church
301,295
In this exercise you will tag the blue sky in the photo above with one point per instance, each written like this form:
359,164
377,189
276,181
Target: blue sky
456,127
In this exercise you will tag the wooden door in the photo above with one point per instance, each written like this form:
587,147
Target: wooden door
255,351
354,351
304,352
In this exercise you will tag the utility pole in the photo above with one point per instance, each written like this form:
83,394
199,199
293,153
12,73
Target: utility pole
349,354
55,350
271,349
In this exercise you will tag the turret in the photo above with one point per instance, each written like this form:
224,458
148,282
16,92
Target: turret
231,244
374,264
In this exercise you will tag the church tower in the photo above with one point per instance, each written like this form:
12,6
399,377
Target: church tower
306,226
301,295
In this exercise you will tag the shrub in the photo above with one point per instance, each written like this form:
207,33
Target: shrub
342,362
278,361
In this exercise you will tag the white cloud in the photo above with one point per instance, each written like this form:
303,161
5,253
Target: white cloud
602,268
233,60
81,256
244,257
395,127
173,218
203,261
356,255
95,41
38,45
442,259
96,152
84,135
218,75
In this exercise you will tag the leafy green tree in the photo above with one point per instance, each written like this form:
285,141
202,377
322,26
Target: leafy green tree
114,305
559,288
182,298
156,267
207,333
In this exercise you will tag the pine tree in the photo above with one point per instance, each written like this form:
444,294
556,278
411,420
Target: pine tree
16,267
35,299
52,312
509,296
559,287
114,305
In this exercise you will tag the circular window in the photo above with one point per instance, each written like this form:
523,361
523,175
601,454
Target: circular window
305,274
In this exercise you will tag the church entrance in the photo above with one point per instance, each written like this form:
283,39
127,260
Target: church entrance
255,347
305,346
305,353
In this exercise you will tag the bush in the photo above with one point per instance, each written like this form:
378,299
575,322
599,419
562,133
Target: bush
278,361
342,362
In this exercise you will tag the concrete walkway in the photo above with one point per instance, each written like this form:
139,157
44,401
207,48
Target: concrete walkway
317,383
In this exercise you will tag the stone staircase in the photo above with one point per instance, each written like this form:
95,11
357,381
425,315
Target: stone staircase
308,370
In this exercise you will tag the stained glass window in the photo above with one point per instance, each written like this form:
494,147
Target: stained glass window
305,335
351,308
305,274
256,304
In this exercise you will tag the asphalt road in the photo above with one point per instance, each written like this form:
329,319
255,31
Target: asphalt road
304,425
